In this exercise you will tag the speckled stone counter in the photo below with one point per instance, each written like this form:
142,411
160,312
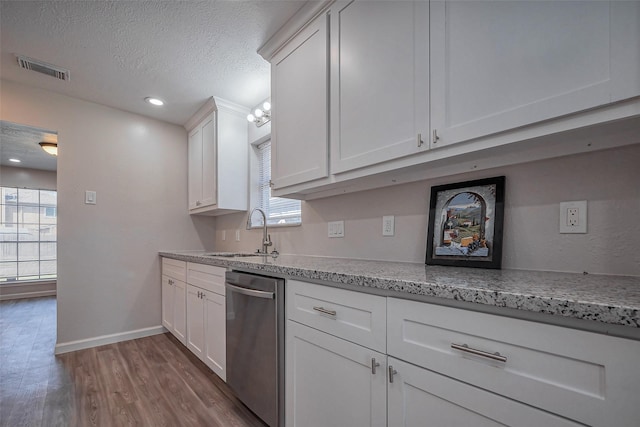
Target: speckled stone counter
613,300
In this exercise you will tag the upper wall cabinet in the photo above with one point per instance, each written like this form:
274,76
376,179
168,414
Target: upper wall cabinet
299,87
379,82
419,90
218,158
498,65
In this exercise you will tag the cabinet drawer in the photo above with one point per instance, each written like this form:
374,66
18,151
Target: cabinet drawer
174,268
207,277
354,316
584,376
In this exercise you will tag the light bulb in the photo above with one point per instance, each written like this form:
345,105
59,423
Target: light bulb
266,106
154,101
251,118
259,113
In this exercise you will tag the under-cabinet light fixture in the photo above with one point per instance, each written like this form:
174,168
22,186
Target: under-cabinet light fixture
50,147
261,116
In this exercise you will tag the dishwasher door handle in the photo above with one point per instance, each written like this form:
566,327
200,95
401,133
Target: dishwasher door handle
250,292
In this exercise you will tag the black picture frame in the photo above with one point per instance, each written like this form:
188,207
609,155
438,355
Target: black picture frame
466,223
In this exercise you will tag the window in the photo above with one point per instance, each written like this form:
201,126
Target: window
279,211
28,234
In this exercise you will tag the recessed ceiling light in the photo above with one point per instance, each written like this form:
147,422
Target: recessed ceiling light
154,101
15,160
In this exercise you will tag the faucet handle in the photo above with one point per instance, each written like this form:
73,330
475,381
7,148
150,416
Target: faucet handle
268,241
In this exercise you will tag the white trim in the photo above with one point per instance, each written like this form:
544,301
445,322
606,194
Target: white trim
231,107
21,295
66,347
292,27
207,108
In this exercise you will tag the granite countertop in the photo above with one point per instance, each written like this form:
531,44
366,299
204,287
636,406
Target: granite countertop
611,300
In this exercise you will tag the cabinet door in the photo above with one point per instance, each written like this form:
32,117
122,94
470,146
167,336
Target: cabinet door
168,302
195,168
422,398
180,310
209,162
299,144
499,65
215,334
379,82
329,381
195,321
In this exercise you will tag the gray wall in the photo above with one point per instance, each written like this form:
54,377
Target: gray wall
27,178
609,180
108,264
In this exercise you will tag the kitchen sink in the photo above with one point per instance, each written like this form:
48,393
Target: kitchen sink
230,254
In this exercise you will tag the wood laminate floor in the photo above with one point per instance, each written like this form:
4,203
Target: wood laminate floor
153,381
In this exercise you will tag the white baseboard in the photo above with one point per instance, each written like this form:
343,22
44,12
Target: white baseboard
66,347
21,295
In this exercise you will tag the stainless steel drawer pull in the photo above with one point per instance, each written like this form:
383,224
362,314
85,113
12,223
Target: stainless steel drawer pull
493,356
325,311
374,365
392,372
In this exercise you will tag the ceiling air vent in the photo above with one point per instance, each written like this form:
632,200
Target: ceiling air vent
43,67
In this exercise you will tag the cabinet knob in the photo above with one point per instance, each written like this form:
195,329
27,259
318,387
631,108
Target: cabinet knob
419,140
435,136
392,372
374,365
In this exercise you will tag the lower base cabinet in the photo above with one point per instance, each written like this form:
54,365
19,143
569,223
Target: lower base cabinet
206,316
174,295
448,367
331,382
421,398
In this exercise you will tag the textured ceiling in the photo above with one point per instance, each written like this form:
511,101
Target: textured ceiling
119,52
21,142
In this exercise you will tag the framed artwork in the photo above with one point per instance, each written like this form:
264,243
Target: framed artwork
465,224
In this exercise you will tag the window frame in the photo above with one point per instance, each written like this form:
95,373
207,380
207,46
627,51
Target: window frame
41,209
255,187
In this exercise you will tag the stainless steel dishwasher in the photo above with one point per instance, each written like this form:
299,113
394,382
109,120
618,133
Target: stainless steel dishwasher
255,343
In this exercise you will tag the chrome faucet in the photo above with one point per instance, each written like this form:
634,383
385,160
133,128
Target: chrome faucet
266,238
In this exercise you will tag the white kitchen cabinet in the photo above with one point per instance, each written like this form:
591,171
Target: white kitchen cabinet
379,82
206,315
421,398
333,376
484,84
174,293
218,159
195,321
497,66
574,374
299,87
330,382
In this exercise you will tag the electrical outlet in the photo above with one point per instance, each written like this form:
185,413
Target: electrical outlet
573,217
335,228
388,225
237,235
224,235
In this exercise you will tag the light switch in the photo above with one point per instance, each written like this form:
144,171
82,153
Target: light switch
89,197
